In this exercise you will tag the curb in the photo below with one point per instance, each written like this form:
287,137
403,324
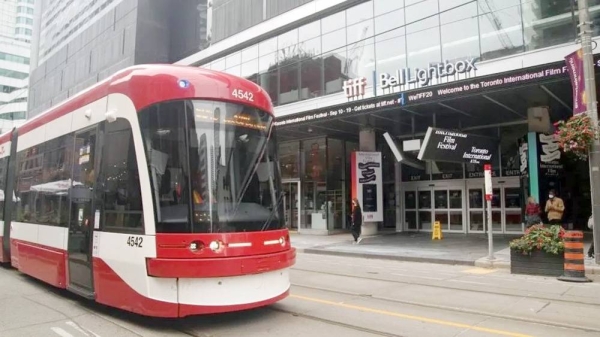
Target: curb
388,257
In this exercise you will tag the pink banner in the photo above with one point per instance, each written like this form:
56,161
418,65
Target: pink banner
575,68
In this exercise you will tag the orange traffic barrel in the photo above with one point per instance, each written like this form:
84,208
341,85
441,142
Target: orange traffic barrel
574,258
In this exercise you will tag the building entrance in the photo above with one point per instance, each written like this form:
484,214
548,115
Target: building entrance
460,206
425,203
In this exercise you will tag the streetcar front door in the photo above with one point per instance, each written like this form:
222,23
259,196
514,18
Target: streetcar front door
81,224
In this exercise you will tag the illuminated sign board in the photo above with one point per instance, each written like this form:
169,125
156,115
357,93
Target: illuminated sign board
424,76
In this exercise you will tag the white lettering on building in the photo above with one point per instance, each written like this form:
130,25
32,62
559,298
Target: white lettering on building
424,76
355,87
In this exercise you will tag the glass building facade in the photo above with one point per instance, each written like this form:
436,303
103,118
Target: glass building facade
313,59
385,35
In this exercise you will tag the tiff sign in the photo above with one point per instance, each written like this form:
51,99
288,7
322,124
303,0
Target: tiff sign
355,87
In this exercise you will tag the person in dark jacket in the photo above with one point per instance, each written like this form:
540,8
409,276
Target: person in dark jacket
356,221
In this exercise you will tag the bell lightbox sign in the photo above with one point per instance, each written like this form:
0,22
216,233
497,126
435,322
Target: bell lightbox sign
457,147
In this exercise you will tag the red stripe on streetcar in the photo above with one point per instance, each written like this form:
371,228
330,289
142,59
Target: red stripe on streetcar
220,267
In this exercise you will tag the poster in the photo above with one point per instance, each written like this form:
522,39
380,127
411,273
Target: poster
367,184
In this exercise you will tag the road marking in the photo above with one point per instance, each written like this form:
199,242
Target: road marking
411,317
81,329
479,271
61,332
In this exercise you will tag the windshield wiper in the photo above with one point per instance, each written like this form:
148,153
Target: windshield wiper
273,211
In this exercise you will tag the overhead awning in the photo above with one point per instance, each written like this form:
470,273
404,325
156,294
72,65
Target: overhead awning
401,156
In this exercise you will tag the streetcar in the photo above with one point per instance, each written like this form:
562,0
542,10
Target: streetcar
156,191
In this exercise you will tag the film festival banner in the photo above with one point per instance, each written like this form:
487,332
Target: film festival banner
575,69
457,147
367,184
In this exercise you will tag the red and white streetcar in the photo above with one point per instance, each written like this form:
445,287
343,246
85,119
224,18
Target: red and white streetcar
156,191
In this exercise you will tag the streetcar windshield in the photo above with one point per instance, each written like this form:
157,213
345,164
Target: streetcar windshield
212,167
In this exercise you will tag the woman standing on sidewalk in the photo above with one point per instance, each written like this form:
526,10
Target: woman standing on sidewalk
532,212
356,221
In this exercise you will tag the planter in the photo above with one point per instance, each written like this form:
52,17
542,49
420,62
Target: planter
538,263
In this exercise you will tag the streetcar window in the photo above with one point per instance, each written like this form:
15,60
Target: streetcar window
3,172
118,181
212,167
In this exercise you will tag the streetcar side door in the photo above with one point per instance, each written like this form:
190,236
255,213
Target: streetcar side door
81,223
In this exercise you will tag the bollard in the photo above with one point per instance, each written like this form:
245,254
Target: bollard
437,231
574,258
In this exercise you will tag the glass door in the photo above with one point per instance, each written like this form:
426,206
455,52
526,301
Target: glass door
82,217
410,211
449,209
425,210
292,204
476,210
507,204
513,209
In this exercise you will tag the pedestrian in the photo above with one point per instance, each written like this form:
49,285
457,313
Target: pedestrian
532,212
356,221
591,226
555,208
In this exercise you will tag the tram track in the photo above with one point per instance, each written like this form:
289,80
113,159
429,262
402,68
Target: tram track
490,291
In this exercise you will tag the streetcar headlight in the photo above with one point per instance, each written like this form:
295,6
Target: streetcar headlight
214,246
282,241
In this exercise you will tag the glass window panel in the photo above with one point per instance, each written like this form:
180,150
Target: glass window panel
311,77
390,49
419,9
410,200
289,82
218,65
250,69
509,147
233,60
424,199
513,198
476,221
460,39
500,30
423,43
333,22
334,70
361,60
334,40
359,13
441,199
455,199
310,48
497,221
289,160
448,4
425,220
387,22
270,82
386,6
496,200
442,217
267,62
309,31
514,221
410,173
411,220
267,47
360,32
288,39
120,194
456,221
236,70
475,198
446,171
250,53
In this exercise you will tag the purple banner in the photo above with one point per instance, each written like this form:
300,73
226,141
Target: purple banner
575,69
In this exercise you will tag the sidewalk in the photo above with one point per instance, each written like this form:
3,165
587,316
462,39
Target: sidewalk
455,249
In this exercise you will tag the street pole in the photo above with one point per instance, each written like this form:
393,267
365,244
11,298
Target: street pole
488,198
592,110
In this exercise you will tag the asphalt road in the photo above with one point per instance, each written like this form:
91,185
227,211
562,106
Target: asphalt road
336,296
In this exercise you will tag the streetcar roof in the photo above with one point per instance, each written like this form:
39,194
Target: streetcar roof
152,83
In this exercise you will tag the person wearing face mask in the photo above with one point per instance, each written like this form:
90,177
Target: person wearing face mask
555,208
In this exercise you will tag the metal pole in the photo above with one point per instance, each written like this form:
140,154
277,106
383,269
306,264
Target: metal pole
490,230
592,110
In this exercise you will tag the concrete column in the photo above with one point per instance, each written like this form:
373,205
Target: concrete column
367,143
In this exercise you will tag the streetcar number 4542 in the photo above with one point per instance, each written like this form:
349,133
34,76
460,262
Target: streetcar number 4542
135,241
242,94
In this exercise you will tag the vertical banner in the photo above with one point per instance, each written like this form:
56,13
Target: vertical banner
367,184
575,68
489,192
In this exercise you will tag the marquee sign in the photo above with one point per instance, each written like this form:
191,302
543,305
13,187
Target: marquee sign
457,147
